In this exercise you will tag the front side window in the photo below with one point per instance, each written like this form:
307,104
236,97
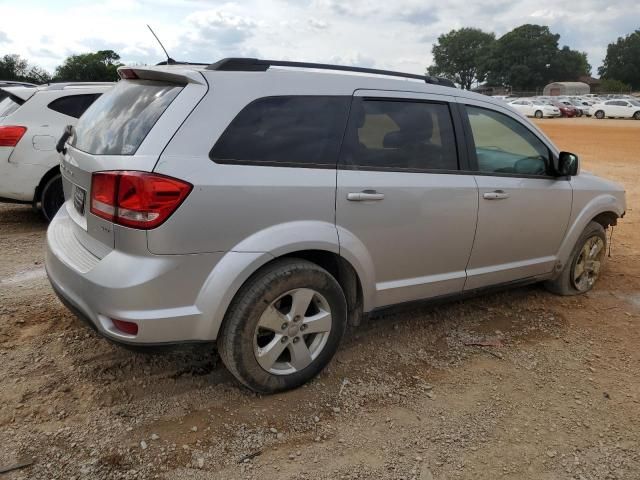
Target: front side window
398,135
118,121
505,146
285,131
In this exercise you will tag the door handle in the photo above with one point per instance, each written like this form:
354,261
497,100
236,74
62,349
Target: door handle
364,196
495,195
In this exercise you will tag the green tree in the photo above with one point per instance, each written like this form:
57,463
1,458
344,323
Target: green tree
623,60
613,86
99,66
460,55
14,67
523,58
569,65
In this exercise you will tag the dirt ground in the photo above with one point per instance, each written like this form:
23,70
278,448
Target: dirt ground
557,397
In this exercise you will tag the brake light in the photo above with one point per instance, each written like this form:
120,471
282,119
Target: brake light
128,74
136,199
10,135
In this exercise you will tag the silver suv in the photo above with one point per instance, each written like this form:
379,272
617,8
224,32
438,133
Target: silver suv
267,204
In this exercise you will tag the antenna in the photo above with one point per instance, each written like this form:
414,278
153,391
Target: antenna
169,59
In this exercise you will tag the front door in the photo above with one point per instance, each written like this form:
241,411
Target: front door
523,211
401,196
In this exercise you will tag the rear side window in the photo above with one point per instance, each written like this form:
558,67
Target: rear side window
73,105
118,121
9,104
505,146
286,131
397,135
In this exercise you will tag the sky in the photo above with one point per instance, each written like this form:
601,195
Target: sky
388,34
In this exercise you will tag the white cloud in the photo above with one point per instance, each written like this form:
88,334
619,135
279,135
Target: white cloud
378,33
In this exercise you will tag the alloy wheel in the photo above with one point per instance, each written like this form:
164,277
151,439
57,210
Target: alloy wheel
292,331
588,263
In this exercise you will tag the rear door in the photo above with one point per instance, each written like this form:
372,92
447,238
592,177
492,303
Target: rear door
401,194
125,129
523,211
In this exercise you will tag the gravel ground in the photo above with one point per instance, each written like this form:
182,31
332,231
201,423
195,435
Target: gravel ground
517,385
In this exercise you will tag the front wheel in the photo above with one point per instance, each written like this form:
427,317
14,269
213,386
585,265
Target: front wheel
52,197
538,114
584,266
284,326
599,115
636,116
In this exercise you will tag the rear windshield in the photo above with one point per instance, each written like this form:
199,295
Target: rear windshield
8,104
118,122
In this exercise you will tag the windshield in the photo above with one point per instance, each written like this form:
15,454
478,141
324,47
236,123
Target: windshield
118,122
8,104
635,103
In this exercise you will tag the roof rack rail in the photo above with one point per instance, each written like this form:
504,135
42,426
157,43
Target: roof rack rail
63,85
171,61
258,65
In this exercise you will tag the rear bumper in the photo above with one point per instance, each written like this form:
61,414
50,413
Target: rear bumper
157,292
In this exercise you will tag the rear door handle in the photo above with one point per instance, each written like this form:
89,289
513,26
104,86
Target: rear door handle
364,196
495,195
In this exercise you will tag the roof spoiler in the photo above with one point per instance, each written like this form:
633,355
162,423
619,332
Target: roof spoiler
258,65
179,76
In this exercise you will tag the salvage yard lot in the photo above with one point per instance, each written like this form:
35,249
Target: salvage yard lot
554,393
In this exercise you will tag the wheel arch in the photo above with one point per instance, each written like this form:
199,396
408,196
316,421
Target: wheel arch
52,172
604,209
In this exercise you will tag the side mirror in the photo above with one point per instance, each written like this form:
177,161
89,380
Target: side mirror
567,164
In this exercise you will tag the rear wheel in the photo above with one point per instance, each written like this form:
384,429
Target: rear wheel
599,115
538,114
284,326
636,115
583,269
52,197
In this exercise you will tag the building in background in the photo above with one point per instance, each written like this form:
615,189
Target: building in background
566,88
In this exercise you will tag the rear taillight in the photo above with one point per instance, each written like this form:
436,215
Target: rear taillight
136,199
10,135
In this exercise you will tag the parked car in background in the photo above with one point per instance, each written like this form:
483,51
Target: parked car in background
12,83
616,109
535,108
31,122
567,109
397,188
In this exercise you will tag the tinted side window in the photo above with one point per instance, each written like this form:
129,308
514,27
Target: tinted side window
73,105
396,135
288,131
504,145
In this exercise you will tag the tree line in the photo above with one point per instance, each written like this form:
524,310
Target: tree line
98,66
525,59
529,57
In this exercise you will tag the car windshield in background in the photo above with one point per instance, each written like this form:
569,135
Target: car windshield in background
8,105
118,122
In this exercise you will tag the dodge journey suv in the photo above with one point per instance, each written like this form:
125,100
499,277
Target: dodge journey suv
265,204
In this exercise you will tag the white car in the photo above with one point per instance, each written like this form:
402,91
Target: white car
616,109
31,122
535,108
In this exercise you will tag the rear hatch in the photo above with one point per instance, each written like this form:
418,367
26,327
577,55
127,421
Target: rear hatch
126,129
11,99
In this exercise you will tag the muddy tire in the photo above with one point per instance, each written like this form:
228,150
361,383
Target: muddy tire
585,263
283,326
52,197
